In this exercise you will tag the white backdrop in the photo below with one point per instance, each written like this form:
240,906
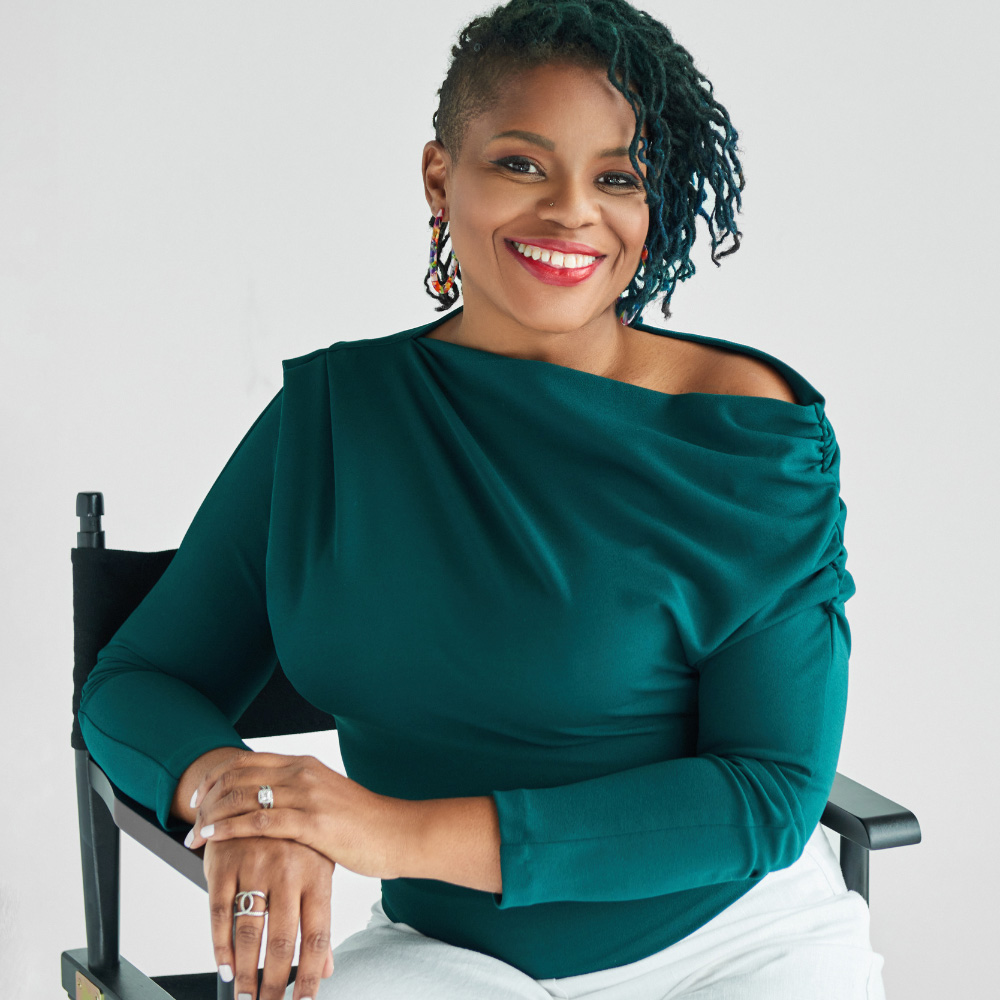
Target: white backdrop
191,192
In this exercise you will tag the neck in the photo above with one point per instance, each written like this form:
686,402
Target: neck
599,347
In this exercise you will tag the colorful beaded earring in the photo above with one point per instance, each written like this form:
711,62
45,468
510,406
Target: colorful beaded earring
442,276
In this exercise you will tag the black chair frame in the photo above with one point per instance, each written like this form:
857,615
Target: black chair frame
108,584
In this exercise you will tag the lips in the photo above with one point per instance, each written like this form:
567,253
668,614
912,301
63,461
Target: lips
561,276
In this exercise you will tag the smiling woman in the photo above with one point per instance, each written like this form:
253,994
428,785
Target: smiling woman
571,170
551,220
675,135
562,183
573,589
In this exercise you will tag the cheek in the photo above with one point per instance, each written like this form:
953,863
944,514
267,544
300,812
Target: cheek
632,222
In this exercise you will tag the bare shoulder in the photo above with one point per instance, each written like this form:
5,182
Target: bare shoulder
748,376
679,366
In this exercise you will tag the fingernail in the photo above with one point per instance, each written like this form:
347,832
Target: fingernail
244,996
194,798
187,843
226,972
207,831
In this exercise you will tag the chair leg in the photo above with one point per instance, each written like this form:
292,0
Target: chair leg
854,865
100,844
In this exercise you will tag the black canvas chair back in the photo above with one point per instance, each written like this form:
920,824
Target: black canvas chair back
108,584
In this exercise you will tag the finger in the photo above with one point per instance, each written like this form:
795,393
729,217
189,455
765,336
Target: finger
234,794
248,931
240,759
315,957
282,930
233,797
282,824
221,880
237,788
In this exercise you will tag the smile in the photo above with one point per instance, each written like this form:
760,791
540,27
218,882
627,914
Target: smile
557,273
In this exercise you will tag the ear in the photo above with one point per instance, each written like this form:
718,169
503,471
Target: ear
436,167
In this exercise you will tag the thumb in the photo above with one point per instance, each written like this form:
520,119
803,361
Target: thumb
328,965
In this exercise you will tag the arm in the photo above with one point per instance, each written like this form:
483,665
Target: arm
452,840
771,714
772,699
197,650
771,721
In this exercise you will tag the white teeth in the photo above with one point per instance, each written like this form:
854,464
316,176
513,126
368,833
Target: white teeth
553,257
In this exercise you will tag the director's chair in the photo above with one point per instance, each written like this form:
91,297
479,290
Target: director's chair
108,584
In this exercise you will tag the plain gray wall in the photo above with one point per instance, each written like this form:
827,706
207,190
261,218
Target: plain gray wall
192,192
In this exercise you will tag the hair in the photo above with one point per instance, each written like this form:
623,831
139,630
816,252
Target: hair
691,139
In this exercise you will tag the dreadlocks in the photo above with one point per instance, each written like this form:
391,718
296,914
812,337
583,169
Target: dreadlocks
691,139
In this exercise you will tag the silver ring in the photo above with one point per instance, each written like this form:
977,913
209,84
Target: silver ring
244,902
266,797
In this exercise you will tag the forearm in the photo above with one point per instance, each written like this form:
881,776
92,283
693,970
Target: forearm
180,807
454,840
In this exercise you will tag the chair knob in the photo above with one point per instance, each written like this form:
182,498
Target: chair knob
90,508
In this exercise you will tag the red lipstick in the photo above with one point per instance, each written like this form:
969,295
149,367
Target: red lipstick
562,276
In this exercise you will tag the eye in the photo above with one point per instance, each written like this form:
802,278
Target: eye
629,180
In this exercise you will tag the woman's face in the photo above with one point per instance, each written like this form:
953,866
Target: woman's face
575,182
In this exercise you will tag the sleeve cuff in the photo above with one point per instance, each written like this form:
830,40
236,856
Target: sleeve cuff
514,851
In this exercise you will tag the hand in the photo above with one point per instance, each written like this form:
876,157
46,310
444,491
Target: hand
313,805
296,881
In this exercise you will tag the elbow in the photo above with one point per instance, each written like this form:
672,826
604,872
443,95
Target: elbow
784,805
802,812
788,844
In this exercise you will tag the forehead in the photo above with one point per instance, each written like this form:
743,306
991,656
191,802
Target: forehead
560,98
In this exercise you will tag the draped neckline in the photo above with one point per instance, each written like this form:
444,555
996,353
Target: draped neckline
810,397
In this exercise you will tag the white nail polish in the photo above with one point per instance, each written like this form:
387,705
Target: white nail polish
243,996
194,798
226,972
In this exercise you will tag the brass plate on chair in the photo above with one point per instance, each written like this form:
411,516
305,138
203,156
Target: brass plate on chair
86,990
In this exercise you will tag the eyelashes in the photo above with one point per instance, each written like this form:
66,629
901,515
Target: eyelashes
630,184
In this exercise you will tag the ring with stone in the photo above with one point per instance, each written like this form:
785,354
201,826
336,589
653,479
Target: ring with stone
266,797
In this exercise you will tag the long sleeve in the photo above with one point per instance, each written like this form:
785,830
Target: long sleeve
617,611
772,701
198,649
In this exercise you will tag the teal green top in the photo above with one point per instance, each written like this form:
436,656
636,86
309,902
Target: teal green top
617,611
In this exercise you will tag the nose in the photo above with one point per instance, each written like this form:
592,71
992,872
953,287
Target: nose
573,203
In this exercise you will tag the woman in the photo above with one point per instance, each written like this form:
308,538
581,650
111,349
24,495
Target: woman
572,586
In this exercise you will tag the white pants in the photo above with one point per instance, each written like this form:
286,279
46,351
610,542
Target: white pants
799,934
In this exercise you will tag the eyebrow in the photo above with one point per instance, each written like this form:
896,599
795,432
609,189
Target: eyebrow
540,140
